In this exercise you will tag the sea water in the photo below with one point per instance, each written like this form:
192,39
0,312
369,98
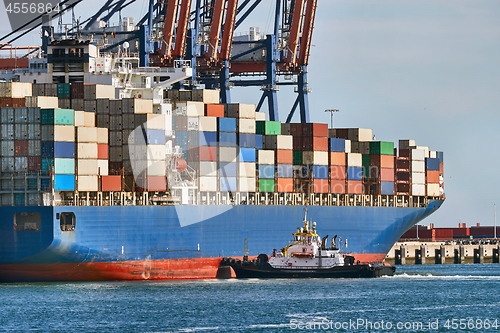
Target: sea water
425,298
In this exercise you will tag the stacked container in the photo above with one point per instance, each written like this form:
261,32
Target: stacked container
265,170
380,171
432,175
338,147
228,152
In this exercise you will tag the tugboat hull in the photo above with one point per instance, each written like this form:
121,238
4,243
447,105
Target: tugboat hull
263,270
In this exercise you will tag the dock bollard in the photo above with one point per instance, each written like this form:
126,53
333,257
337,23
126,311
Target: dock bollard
496,255
440,255
457,259
397,257
479,255
461,250
402,249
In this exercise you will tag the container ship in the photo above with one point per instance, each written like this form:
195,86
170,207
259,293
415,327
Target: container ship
109,173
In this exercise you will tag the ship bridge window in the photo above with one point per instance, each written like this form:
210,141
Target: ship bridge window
27,221
67,221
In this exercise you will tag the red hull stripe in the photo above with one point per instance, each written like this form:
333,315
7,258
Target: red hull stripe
175,269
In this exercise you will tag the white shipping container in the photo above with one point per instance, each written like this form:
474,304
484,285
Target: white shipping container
433,190
155,121
191,109
247,170
143,105
419,153
228,154
265,156
354,159
247,126
86,134
418,189
246,184
44,102
348,146
89,119
417,166
102,135
433,154
15,89
79,118
157,168
87,183
207,124
103,167
360,134
285,142
260,116
240,110
154,152
87,150
87,167
208,169
208,184
104,91
418,177
207,96
64,133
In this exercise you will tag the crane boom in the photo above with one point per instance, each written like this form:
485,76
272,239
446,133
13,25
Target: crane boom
305,41
227,33
182,27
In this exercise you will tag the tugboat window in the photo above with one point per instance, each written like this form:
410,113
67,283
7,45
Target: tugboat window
67,221
27,221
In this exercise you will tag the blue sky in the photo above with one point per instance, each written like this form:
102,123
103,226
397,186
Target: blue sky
423,70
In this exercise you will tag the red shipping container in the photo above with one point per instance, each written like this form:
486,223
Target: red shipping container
11,63
284,156
337,186
296,129
298,143
102,151
111,183
157,183
337,158
284,185
403,188
432,177
20,147
441,167
342,133
34,163
208,154
337,172
404,153
386,175
402,176
315,129
355,187
321,186
214,110
403,164
77,90
320,143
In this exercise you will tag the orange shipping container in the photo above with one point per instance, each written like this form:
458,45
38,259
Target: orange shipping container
284,185
337,186
208,154
432,177
111,183
284,156
337,158
321,186
157,183
102,151
386,175
337,172
214,110
355,187
320,143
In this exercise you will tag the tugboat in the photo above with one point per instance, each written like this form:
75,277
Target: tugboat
306,257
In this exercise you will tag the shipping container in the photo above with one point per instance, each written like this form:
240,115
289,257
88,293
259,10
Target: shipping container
208,169
403,176
21,131
258,141
21,115
111,183
208,154
246,126
418,177
278,142
227,139
355,187
115,154
260,116
227,154
103,167
338,172
406,144
246,184
418,189
208,139
88,183
102,135
87,150
266,185
284,156
265,171
315,157
190,109
208,184
285,171
214,110
228,169
354,173
338,158
268,127
239,110
34,148
403,188
337,145
297,157
15,89
286,129
381,148
87,167
102,151
418,166
432,177
247,140
64,166
284,185
156,168
226,125
21,164
7,132
387,188
247,170
247,155
60,149
8,148
321,186
8,164
432,164
265,157
63,90
20,148
90,105
337,186
354,159
86,134
433,190
207,96
207,124
320,171
315,130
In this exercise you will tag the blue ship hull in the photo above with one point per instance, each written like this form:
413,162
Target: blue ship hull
162,242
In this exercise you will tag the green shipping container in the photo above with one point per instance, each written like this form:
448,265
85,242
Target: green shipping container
381,148
266,185
58,117
63,90
297,157
366,166
47,116
64,166
266,127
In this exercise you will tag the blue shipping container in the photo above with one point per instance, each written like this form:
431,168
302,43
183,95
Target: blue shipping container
64,166
387,188
440,156
47,148
336,144
157,137
354,173
227,139
247,140
320,171
432,164
266,171
64,182
247,155
226,124
45,184
227,169
227,184
285,171
208,139
64,149
181,137
47,164
258,141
